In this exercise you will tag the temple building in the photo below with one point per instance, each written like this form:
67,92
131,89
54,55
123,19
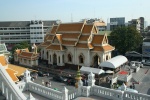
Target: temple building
26,58
75,44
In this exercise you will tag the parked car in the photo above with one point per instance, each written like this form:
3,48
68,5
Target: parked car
34,74
71,81
59,79
42,74
136,63
20,77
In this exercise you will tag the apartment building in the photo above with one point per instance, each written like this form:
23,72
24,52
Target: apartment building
13,32
116,22
138,24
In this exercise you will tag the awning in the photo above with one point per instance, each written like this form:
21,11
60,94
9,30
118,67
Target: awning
115,62
93,70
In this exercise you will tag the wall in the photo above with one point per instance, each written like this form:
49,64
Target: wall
46,92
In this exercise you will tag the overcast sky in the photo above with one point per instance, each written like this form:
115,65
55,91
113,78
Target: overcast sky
17,10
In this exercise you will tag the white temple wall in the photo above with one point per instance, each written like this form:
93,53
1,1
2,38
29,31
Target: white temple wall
86,56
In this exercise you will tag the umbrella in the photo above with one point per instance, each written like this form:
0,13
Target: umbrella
109,71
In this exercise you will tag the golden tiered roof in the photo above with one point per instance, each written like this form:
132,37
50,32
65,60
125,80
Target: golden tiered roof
79,35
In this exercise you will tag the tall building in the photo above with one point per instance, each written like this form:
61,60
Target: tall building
116,22
138,24
13,32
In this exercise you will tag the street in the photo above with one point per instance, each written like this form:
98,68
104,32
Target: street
54,84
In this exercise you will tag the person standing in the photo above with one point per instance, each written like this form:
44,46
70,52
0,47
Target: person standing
42,82
49,84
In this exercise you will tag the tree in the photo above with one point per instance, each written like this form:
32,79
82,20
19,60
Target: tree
125,39
22,45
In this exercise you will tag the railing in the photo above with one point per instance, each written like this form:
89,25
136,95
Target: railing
72,95
45,92
8,87
135,96
107,93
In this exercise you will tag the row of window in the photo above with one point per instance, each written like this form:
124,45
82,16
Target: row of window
14,28
36,32
81,58
37,38
14,38
13,33
38,27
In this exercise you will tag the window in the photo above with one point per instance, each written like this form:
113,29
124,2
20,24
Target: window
59,59
25,61
81,60
69,58
63,58
50,58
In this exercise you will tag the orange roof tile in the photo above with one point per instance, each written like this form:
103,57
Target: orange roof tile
50,37
26,54
82,45
3,60
67,42
103,48
55,47
54,29
84,37
108,47
70,27
45,44
87,29
97,39
12,74
71,35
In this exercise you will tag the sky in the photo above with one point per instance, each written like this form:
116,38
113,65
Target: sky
73,10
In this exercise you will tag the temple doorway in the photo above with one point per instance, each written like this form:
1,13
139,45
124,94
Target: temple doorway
54,59
96,61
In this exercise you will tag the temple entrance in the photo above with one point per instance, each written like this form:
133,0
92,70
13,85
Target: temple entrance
96,61
54,59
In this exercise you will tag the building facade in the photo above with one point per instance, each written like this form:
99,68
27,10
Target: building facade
138,24
26,58
75,44
13,32
116,22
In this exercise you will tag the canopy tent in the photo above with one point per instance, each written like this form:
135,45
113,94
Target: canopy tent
115,62
93,70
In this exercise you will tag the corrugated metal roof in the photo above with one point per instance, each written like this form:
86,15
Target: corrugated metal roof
114,62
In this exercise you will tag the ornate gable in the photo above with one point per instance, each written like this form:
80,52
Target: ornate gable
55,40
105,40
94,30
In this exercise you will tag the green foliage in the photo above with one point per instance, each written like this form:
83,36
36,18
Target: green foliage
22,45
125,39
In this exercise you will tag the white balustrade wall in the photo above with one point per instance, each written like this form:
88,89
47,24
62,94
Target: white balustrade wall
22,86
45,91
85,91
107,93
135,96
72,95
8,87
